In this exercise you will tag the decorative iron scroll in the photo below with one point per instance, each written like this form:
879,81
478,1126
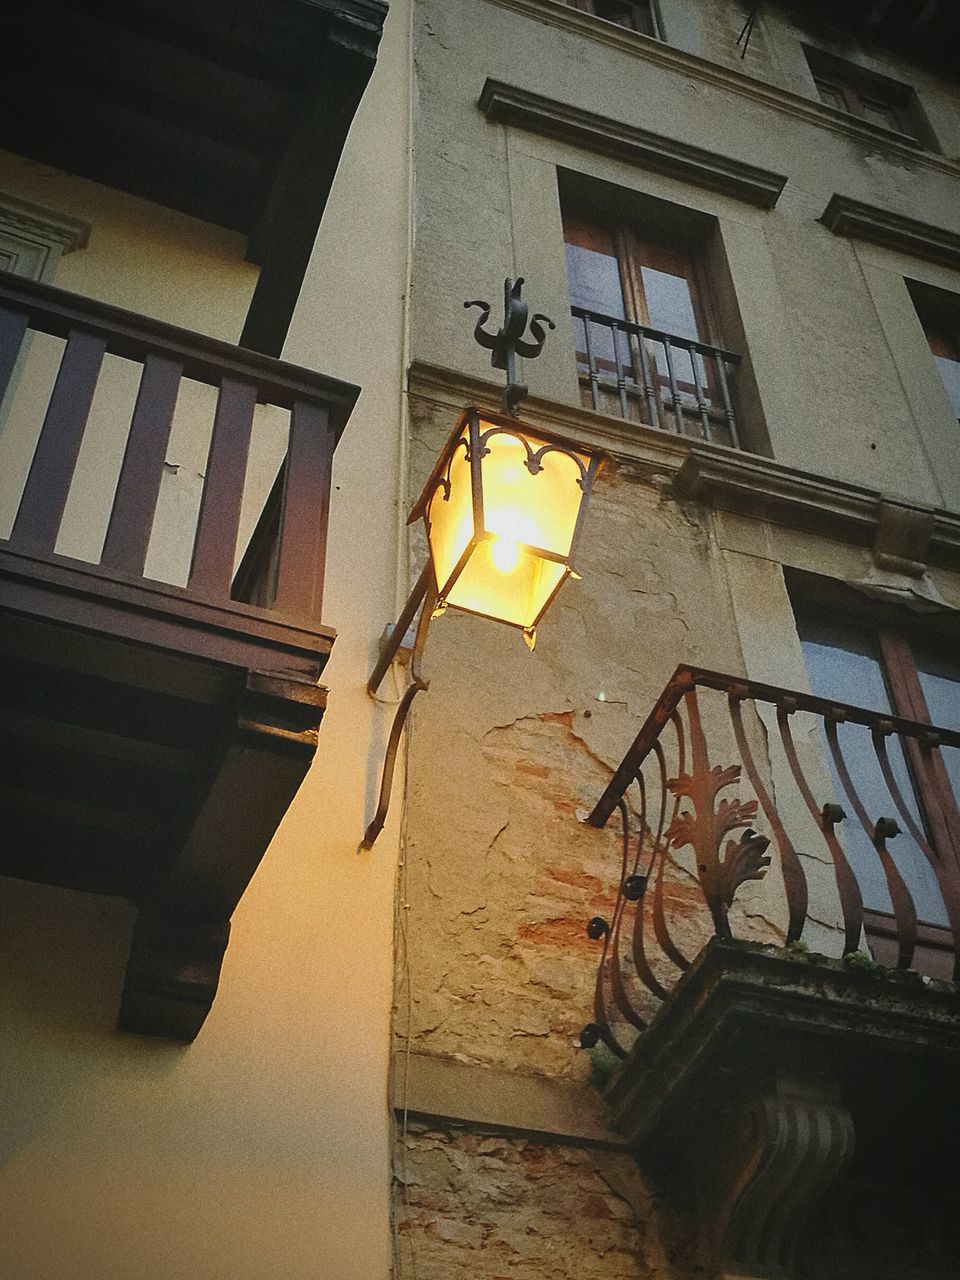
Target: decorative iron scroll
690,842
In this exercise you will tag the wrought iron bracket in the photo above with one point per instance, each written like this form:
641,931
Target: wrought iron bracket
508,342
423,594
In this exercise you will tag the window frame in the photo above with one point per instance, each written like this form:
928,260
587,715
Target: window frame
860,89
648,9
634,250
938,312
894,638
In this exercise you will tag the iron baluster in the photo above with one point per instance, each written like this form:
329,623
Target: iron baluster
592,366
721,362
701,399
674,388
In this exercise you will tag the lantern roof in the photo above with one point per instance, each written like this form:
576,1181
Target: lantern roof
516,427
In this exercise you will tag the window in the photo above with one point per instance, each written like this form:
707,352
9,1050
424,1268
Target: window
644,331
867,95
889,671
939,313
640,16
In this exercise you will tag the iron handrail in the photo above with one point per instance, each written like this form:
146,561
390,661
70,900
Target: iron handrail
683,800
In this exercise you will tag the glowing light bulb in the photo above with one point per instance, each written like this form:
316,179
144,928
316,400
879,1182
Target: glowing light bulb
505,554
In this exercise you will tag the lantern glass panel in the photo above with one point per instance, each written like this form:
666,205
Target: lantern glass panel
517,594
509,564
450,518
539,510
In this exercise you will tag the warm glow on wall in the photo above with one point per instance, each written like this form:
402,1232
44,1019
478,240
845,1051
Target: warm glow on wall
502,509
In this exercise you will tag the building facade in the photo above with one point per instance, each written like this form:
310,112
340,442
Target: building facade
777,184
742,223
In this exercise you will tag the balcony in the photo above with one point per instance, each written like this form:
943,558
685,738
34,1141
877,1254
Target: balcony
656,378
157,732
778,976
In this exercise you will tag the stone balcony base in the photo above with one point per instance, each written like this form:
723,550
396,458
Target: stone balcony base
773,1077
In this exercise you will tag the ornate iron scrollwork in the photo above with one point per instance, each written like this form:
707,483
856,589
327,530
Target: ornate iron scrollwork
508,342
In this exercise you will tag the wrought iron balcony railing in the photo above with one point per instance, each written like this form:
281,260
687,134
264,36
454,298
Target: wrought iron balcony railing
857,806
649,376
281,579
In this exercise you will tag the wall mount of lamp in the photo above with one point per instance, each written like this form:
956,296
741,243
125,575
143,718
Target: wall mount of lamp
503,509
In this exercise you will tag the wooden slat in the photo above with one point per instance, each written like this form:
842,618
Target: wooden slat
204,359
131,520
13,326
48,484
211,572
306,505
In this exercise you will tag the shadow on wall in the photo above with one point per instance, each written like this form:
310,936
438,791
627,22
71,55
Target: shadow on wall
63,960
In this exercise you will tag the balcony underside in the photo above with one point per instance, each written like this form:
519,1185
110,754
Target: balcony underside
232,111
154,746
803,1113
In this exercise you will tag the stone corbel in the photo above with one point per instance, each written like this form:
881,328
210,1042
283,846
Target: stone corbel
899,554
763,1171
902,538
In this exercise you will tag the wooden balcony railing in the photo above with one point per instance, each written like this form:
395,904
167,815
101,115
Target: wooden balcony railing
287,581
657,378
851,811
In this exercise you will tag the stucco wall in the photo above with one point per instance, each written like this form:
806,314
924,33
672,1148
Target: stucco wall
158,263
824,336
262,1150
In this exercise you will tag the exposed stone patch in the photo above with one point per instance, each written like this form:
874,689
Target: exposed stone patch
497,1208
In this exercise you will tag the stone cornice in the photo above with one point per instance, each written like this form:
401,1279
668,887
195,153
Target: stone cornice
555,13
507,104
714,475
846,217
760,487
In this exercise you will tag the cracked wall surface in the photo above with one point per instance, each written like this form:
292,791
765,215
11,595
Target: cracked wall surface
509,751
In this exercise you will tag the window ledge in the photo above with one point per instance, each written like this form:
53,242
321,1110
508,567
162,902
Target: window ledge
729,479
553,13
846,217
507,104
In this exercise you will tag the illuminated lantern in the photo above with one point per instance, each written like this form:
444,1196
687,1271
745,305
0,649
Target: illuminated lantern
503,508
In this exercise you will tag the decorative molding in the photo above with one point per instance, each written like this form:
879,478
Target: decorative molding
846,217
648,448
556,14
19,217
760,487
509,105
33,239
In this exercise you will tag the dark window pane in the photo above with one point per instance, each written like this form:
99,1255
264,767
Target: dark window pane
639,17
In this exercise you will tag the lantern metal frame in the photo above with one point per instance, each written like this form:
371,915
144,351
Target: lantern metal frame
474,443
474,429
